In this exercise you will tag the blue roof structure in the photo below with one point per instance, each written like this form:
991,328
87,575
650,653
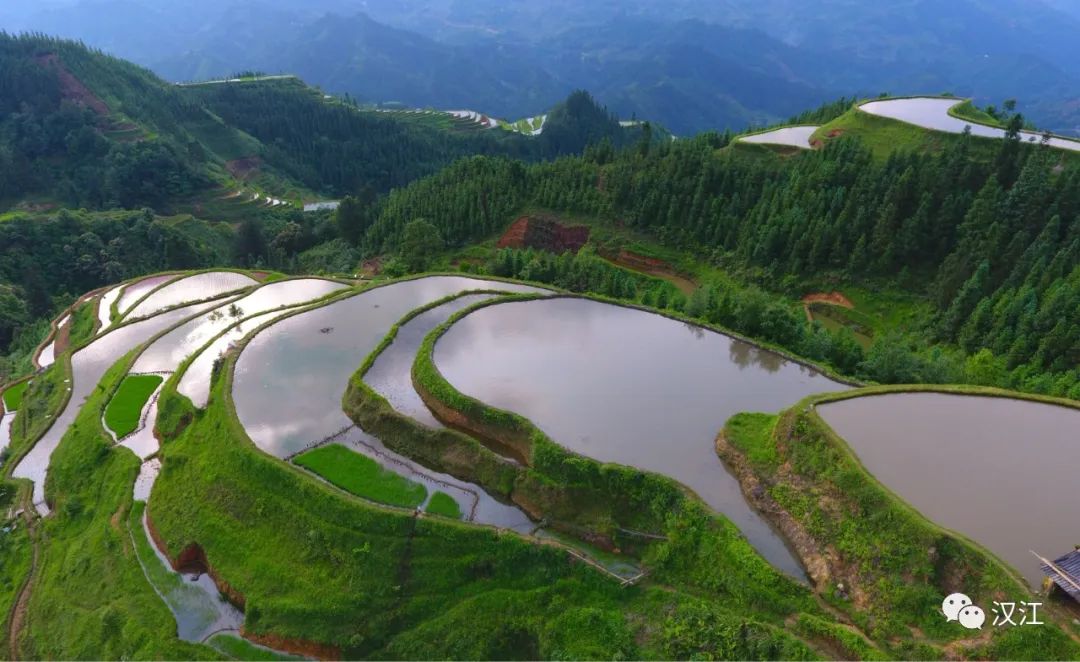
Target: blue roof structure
1065,572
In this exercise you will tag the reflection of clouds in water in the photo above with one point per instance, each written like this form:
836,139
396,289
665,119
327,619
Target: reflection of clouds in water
626,386
292,375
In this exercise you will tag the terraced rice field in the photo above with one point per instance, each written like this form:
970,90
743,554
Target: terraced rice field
193,288
88,367
933,113
137,290
794,136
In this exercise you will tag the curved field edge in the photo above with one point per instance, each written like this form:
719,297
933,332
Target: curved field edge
631,497
125,409
882,135
876,559
182,275
88,576
54,326
291,556
575,508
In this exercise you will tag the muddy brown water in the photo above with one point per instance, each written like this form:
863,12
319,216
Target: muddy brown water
1002,472
631,387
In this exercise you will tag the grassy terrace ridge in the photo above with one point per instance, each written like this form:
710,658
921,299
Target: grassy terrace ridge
242,649
188,274
894,563
125,409
90,598
317,566
301,552
362,476
883,135
443,504
80,498
969,113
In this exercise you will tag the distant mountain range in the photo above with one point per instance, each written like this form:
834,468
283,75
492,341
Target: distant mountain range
688,64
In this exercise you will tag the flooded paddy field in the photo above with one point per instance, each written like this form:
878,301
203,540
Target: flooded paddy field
191,288
290,378
88,367
626,386
999,471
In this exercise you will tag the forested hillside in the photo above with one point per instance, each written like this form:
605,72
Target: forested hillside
73,122
330,146
84,129
996,245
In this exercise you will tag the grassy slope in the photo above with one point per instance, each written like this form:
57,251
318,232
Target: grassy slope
968,111
40,402
242,649
90,598
362,476
882,135
13,397
125,408
443,504
15,558
315,564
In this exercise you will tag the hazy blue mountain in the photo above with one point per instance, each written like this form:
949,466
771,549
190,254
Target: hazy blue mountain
689,64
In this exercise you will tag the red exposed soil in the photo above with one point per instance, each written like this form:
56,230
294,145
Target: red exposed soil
259,275
243,168
309,649
71,87
832,298
654,267
543,234
641,263
194,558
63,338
371,268
834,133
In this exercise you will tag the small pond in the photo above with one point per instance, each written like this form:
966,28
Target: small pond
192,288
933,113
47,357
833,324
1000,471
630,387
794,136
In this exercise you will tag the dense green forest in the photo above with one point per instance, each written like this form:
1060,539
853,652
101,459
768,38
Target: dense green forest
996,245
328,145
86,130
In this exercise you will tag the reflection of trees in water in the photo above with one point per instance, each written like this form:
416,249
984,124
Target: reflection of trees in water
745,355
695,330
